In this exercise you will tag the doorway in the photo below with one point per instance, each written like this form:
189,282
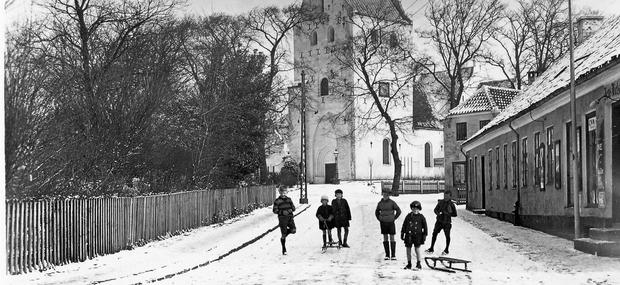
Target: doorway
484,187
330,172
615,150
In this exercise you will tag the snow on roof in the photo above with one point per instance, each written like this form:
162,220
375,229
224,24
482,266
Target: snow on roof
601,50
486,98
388,9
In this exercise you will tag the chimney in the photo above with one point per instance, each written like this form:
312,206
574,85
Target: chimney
586,26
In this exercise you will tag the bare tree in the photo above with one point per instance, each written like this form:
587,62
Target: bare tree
376,79
271,28
27,105
546,21
513,39
459,31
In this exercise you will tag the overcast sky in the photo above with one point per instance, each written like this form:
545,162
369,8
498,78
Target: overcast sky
21,8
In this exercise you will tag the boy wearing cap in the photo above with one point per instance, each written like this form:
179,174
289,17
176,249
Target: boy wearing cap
414,233
283,206
444,210
325,214
342,216
387,212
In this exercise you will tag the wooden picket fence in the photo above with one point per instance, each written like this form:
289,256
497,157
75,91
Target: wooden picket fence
416,186
42,234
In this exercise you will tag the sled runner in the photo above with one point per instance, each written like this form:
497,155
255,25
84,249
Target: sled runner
332,245
447,263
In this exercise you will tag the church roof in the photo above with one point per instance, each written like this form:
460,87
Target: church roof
487,98
595,55
383,9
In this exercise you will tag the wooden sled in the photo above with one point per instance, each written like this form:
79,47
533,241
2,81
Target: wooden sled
447,263
330,245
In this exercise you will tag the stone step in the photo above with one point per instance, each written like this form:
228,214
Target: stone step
598,247
610,234
479,211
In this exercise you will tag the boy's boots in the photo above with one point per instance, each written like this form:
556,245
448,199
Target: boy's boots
386,247
393,246
418,265
283,242
408,265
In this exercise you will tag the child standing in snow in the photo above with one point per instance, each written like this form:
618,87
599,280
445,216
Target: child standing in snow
444,210
325,214
283,206
414,233
387,212
342,216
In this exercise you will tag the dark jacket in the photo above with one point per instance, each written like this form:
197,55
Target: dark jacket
342,212
445,210
415,225
387,210
283,206
325,213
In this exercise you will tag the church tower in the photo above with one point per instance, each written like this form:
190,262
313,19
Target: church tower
329,126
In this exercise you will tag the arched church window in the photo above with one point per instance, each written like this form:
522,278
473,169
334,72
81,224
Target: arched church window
386,151
324,87
427,155
313,38
330,34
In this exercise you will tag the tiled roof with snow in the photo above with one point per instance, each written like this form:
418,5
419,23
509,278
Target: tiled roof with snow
382,9
597,53
487,98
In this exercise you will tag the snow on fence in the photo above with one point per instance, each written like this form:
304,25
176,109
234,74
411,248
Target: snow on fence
42,234
416,186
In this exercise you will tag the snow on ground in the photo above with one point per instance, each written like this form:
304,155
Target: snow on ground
499,252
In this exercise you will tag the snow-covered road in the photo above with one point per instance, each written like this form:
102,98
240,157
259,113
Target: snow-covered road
499,252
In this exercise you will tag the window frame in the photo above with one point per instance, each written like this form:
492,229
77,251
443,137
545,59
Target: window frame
383,89
463,133
385,150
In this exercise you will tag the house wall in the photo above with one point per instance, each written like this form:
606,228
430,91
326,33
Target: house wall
550,208
452,149
411,152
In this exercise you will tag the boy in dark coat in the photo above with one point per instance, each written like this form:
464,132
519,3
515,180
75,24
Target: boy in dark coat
414,233
342,216
283,206
325,214
444,210
387,212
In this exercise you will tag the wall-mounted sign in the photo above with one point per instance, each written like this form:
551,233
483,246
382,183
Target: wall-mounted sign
592,124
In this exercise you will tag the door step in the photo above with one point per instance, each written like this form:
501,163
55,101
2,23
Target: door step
598,247
479,211
609,234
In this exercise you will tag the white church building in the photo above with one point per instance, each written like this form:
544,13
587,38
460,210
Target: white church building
339,142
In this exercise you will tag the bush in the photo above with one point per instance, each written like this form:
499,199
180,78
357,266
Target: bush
289,173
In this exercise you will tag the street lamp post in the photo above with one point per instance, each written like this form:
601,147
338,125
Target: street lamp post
573,131
303,196
336,180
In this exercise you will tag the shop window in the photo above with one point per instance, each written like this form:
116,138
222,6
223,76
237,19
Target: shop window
550,156
524,161
536,159
490,169
476,173
497,169
591,177
514,165
557,171
541,166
